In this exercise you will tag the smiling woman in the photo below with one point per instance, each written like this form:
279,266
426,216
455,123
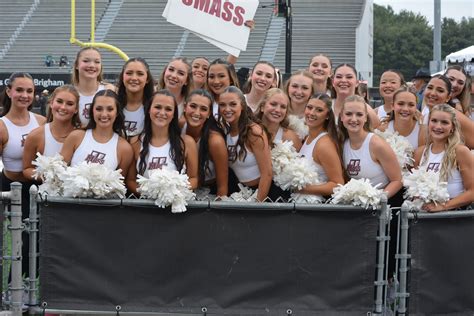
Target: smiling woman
102,142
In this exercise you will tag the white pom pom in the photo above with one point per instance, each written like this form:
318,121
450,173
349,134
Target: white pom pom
290,170
358,192
298,125
49,170
93,181
166,187
424,187
245,194
306,198
400,145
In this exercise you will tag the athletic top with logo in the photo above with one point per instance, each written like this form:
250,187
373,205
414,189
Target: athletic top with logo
158,158
134,121
246,170
92,151
307,152
359,164
412,138
85,102
51,145
433,163
12,155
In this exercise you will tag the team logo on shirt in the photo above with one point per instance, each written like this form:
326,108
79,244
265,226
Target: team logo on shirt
23,138
96,157
433,166
232,152
157,163
353,167
130,126
85,112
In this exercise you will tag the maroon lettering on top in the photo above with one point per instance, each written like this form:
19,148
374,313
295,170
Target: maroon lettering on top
433,166
96,157
23,138
157,163
353,167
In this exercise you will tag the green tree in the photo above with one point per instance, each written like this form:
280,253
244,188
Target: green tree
401,41
456,36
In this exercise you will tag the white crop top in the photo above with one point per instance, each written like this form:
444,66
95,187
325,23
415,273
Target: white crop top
412,138
279,135
51,145
246,170
433,163
12,155
92,151
157,158
359,163
381,113
85,102
307,152
211,169
134,121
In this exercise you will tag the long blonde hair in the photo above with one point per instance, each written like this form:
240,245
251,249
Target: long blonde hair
449,160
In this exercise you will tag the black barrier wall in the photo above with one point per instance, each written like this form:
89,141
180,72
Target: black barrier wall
231,261
442,266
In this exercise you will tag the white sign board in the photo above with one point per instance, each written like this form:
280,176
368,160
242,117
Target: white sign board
217,21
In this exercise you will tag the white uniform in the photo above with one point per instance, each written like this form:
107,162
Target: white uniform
359,163
412,138
307,152
381,113
51,145
158,158
12,155
85,102
134,121
433,163
246,170
92,151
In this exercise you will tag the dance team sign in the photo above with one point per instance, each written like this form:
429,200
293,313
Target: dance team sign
221,23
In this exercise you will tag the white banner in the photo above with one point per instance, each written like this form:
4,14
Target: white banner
219,22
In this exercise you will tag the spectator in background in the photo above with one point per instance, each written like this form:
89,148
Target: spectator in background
63,61
43,101
420,80
49,61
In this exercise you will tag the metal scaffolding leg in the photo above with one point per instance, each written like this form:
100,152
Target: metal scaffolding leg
33,252
16,228
404,256
382,238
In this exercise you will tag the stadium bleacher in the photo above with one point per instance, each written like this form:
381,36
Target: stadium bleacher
319,26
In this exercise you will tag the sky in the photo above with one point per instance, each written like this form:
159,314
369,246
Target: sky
454,9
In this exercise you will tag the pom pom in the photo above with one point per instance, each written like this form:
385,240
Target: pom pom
400,145
290,170
306,198
424,187
358,192
245,194
298,125
166,187
92,180
49,170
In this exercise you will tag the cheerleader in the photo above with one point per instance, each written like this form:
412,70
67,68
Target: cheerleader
87,78
247,143
273,111
48,139
366,155
135,88
461,89
320,147
220,76
445,153
103,139
390,81
210,140
438,91
261,79
177,79
321,68
345,83
199,66
161,144
299,88
404,118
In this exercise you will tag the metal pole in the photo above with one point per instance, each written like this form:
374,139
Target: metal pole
289,24
437,35
16,228
404,256
33,253
382,238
